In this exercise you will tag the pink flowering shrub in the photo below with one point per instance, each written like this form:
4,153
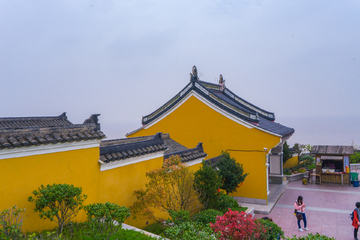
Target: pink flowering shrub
236,225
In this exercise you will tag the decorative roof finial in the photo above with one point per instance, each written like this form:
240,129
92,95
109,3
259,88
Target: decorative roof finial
193,75
221,83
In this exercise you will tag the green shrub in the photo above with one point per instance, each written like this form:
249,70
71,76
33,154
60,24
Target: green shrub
355,158
11,222
58,202
206,216
312,166
287,171
178,217
190,231
307,159
310,236
157,228
273,231
225,202
239,209
103,216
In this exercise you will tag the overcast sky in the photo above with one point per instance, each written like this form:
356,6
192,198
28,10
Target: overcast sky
124,59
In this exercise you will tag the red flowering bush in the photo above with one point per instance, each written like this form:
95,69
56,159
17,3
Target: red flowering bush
236,225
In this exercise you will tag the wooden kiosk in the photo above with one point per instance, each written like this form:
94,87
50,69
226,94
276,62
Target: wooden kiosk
332,163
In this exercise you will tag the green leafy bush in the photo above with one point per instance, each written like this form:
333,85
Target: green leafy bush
311,236
312,166
103,216
58,202
273,231
11,220
225,202
190,231
206,216
157,228
178,217
355,158
287,171
86,231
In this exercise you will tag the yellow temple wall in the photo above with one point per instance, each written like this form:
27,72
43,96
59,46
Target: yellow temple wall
21,176
193,122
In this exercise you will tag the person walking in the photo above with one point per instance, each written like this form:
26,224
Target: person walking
356,221
299,206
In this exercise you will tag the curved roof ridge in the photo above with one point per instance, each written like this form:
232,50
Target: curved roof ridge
246,114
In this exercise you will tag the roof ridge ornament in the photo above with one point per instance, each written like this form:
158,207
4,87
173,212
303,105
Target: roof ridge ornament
221,83
194,75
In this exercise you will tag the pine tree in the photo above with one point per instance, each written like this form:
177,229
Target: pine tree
207,182
231,172
286,152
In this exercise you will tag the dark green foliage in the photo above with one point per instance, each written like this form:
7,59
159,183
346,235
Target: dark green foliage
273,231
189,231
311,236
312,166
103,216
287,171
157,228
206,216
225,202
85,231
307,160
231,172
178,217
286,152
355,158
58,202
207,182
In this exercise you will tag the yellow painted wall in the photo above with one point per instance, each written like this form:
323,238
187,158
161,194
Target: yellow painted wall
292,162
195,122
20,176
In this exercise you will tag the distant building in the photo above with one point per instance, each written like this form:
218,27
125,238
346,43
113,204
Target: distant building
223,121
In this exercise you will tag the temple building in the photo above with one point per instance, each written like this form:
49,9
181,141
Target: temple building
223,121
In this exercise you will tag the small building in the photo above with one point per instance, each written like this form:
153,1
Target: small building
332,163
223,121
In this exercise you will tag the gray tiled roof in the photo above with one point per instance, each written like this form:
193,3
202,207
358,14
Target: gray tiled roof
34,131
334,150
120,149
189,154
125,148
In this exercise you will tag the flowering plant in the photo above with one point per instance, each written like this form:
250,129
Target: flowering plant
236,225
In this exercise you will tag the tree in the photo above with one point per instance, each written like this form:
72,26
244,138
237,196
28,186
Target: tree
286,152
170,188
58,202
207,182
308,148
11,220
232,173
298,148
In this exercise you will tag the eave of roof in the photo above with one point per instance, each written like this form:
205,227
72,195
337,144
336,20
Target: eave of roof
189,154
333,150
34,131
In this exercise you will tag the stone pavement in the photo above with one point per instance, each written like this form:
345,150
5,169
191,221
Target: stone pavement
328,208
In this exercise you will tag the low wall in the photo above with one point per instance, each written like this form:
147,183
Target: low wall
294,177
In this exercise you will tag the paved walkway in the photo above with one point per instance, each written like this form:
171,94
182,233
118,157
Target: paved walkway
328,208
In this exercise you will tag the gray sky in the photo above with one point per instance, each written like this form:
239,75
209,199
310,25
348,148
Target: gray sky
124,59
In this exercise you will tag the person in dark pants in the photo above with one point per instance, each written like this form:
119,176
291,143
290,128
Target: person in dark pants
355,221
299,205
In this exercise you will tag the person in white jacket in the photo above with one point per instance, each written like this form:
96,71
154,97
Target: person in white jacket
299,205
